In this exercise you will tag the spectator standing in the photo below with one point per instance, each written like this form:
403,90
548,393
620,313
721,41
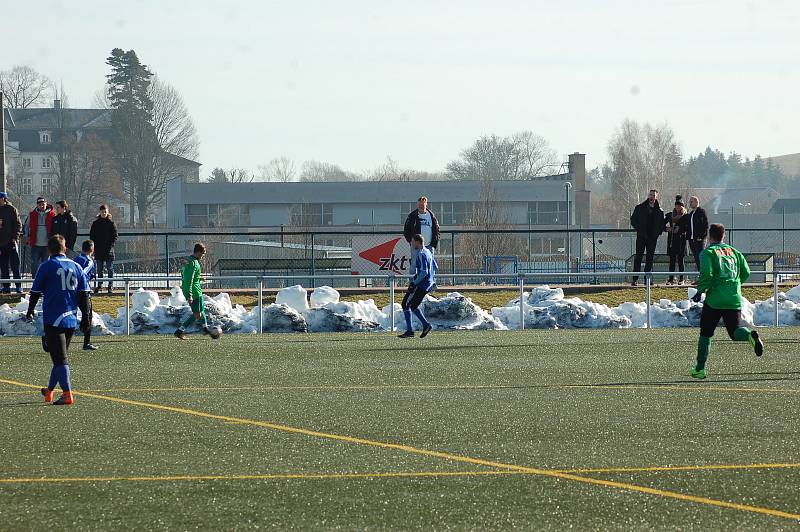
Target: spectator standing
39,229
648,220
696,229
421,221
10,228
676,239
66,225
104,235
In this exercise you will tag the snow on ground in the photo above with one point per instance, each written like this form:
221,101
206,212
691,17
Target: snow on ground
323,311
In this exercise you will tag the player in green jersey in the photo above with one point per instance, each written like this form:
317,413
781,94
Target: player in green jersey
723,269
190,285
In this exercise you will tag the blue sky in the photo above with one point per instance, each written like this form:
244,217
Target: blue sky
351,82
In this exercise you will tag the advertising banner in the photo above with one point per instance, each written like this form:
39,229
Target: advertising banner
380,254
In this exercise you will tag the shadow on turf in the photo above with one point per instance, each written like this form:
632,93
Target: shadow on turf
21,403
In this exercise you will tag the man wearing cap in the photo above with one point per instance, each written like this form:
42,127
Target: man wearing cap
39,229
9,237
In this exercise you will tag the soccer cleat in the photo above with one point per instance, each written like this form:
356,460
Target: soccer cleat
758,345
96,290
89,347
206,331
425,330
65,399
407,334
47,393
110,291
697,374
181,335
634,283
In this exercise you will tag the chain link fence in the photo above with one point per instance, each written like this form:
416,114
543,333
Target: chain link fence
305,257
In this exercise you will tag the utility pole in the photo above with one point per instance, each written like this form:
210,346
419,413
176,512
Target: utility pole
3,175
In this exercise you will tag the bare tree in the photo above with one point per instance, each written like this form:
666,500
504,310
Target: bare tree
100,99
233,175
176,146
281,169
643,157
523,155
319,171
25,87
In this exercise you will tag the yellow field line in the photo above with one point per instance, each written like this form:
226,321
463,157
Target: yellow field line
405,474
440,454
274,476
705,467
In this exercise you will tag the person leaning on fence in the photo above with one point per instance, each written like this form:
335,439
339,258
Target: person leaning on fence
696,229
39,229
10,228
648,220
66,225
421,221
104,235
676,239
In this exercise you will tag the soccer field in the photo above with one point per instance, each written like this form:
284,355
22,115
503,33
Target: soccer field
593,429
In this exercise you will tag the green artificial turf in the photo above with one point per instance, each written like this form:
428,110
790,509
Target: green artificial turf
473,419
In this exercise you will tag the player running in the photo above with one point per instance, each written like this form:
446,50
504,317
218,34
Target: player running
422,283
64,287
86,261
190,285
723,269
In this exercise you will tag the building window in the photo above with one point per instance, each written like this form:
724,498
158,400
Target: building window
47,162
547,212
47,186
310,214
27,162
27,186
447,212
217,215
548,246
45,137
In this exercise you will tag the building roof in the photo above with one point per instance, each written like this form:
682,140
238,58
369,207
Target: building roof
49,118
753,199
550,188
786,206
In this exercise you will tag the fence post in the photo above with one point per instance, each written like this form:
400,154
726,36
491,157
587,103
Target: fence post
391,303
775,298
127,307
453,257
521,302
647,282
313,266
166,257
594,257
261,305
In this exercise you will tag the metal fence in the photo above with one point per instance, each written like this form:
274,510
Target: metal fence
390,282
316,257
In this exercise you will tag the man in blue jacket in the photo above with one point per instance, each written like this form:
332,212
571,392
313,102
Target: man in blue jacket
421,284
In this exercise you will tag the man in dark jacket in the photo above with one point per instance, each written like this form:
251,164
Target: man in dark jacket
421,221
104,234
66,225
39,229
648,220
10,229
696,229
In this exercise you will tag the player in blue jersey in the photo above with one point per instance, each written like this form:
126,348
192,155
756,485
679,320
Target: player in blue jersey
63,285
421,284
86,261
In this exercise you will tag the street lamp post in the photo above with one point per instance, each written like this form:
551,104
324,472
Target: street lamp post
567,187
743,205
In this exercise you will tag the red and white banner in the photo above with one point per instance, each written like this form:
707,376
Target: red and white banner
380,254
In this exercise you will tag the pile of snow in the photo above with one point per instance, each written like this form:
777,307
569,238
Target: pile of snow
323,311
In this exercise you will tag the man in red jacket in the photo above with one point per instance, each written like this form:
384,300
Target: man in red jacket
39,229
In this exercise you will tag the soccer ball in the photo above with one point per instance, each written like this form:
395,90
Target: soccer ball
214,331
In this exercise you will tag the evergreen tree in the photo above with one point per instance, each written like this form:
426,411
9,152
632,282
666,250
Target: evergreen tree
133,136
